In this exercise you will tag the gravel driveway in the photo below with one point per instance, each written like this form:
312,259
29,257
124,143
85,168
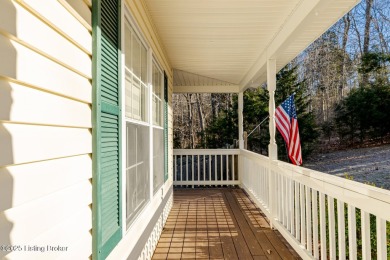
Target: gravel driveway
364,165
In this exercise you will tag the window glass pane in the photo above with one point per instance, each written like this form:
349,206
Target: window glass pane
144,67
158,158
136,56
128,47
137,170
157,81
128,96
136,76
136,99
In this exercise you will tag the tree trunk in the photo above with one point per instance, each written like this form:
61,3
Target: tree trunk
366,41
347,23
190,124
214,105
200,114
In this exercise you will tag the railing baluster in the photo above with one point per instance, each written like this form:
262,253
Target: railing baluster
181,167
221,170
297,213
352,232
215,167
308,221
174,167
186,167
332,234
199,167
322,226
285,199
279,194
366,241
204,167
315,224
381,238
192,172
303,217
291,196
341,228
210,166
233,168
227,168
288,212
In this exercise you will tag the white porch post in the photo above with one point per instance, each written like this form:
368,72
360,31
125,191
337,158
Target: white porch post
240,120
240,134
272,147
271,85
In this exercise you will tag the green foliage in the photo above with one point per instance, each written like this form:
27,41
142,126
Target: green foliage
287,84
255,111
375,64
364,113
223,130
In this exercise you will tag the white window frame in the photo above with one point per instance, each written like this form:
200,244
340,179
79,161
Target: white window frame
127,18
129,74
160,121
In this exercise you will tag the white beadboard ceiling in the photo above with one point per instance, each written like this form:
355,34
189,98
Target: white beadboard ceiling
229,41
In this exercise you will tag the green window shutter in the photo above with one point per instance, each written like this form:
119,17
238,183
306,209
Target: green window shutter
165,127
107,222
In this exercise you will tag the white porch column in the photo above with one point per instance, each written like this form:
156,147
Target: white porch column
271,85
272,148
240,120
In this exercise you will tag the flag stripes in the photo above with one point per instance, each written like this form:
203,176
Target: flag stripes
287,124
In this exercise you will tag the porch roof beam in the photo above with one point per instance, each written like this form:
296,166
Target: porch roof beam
207,89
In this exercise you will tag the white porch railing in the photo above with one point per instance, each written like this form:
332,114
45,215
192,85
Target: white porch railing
320,215
204,167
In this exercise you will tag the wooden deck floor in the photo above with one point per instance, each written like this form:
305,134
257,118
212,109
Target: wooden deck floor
219,224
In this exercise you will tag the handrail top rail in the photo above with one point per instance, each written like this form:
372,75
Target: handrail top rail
322,179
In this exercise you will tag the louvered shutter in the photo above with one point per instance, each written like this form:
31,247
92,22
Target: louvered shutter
107,224
165,127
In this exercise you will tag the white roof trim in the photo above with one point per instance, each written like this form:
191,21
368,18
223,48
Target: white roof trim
187,82
296,26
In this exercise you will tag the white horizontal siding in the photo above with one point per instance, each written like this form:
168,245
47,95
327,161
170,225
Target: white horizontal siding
45,127
81,11
56,45
57,15
33,219
76,238
30,67
43,107
17,183
28,143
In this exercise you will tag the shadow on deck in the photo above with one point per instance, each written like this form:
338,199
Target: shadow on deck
219,224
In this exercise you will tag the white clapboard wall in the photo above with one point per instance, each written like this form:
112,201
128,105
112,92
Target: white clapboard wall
45,128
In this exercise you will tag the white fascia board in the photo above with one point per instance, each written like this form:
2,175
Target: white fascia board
304,13
291,24
207,89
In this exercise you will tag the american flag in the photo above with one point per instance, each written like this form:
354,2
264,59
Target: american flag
287,124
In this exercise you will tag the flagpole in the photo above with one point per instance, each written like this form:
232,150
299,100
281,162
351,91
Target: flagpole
258,126
288,158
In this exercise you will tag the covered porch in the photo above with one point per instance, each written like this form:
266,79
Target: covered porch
219,223
228,48
235,203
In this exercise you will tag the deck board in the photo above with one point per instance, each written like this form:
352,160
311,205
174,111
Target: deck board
219,224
